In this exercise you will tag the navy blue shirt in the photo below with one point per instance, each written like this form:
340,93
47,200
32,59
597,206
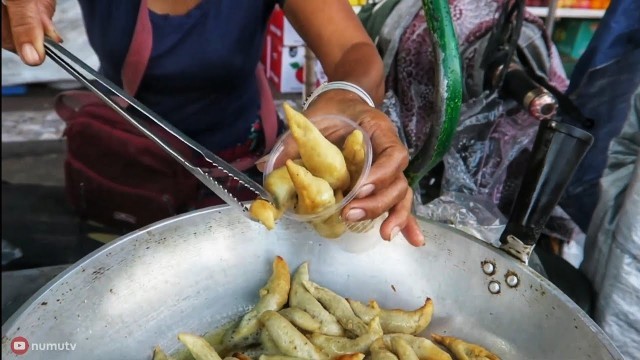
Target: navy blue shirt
201,73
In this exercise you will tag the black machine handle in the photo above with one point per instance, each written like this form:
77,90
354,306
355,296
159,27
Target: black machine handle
531,96
556,153
517,85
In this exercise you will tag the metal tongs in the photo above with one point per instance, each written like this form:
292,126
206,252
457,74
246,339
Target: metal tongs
142,118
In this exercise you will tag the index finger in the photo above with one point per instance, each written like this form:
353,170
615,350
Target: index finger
390,155
26,30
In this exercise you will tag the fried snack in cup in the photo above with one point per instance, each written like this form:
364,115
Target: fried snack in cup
320,156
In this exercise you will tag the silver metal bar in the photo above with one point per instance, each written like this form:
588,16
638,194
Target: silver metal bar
551,17
142,117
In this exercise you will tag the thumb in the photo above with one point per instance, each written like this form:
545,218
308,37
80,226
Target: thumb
262,162
27,31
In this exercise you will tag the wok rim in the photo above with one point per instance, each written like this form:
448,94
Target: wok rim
13,320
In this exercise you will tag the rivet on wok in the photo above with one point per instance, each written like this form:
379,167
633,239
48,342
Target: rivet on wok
494,287
512,280
488,268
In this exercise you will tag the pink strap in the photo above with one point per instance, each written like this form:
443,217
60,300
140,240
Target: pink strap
139,52
135,63
67,103
267,109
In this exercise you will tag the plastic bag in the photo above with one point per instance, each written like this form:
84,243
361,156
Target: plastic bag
483,172
473,215
9,252
489,148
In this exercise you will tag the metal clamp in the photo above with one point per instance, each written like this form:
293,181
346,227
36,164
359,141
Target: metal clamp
516,248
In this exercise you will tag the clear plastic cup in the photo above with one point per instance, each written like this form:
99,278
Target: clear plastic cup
336,129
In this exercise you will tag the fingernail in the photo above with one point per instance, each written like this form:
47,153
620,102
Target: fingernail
263,159
29,54
355,215
365,191
394,232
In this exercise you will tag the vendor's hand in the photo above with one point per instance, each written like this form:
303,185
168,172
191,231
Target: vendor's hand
24,25
386,188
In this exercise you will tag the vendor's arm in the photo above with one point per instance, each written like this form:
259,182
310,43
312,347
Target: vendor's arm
334,33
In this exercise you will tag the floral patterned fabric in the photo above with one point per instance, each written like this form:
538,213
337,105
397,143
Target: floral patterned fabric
490,149
412,77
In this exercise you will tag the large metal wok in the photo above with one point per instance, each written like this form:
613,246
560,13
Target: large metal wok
197,271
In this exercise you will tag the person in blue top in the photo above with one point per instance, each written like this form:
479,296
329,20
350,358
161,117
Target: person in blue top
201,75
602,84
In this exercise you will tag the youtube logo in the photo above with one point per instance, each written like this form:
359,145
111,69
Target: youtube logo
19,345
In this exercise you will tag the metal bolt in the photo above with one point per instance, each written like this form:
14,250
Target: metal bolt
512,280
488,268
494,287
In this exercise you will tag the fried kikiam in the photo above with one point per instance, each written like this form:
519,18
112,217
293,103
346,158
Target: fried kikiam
320,156
395,320
402,349
333,226
300,319
424,348
199,348
296,318
353,152
278,183
338,307
159,354
314,194
301,298
340,345
463,350
273,296
379,351
289,340
265,213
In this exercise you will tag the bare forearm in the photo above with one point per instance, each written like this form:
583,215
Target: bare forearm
334,33
362,66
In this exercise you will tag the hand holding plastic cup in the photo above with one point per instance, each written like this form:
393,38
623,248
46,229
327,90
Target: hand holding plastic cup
336,129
